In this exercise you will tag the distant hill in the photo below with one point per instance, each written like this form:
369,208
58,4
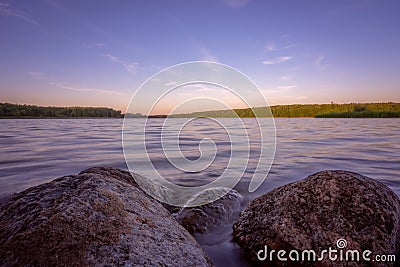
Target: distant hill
8,110
388,109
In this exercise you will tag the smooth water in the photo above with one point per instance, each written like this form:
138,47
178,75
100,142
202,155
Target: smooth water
33,151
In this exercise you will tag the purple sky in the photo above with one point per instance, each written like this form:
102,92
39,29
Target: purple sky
97,53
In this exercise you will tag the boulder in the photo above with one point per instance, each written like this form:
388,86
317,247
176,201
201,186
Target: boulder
338,209
98,217
212,215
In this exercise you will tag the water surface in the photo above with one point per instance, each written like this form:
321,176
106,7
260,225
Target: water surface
33,151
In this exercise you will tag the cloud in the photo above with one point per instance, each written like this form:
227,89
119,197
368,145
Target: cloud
350,7
112,58
199,89
36,74
130,67
57,5
211,95
7,10
81,89
319,62
207,55
98,45
279,98
286,78
277,60
319,59
193,87
172,84
272,47
279,90
286,87
236,3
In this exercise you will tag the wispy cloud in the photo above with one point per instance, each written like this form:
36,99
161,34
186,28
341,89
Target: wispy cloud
57,5
286,87
279,90
201,89
350,7
82,89
130,67
319,59
96,45
282,98
236,3
172,84
272,47
286,78
277,60
319,62
36,74
206,55
285,36
7,10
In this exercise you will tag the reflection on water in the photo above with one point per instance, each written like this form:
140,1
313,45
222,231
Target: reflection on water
33,151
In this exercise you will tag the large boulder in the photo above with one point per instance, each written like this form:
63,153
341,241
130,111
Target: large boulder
314,213
98,217
210,216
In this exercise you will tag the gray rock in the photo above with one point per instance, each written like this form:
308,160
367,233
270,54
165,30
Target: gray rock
98,217
316,212
210,216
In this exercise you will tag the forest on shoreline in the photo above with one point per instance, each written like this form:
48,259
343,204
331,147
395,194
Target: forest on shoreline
352,110
8,110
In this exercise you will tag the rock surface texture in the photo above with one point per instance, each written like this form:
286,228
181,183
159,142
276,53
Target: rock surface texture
96,218
211,216
316,212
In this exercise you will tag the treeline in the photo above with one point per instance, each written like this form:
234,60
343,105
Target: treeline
302,110
353,110
318,110
8,110
361,114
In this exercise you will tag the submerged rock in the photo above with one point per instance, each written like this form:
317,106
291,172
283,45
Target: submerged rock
210,216
98,217
316,212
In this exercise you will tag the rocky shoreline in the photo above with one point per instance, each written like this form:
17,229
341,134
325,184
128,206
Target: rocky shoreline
101,217
320,212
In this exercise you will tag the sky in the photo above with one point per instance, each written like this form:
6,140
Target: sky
98,53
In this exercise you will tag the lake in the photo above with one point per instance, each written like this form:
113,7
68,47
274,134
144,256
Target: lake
34,151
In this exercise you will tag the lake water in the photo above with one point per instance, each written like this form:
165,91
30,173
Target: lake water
33,151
